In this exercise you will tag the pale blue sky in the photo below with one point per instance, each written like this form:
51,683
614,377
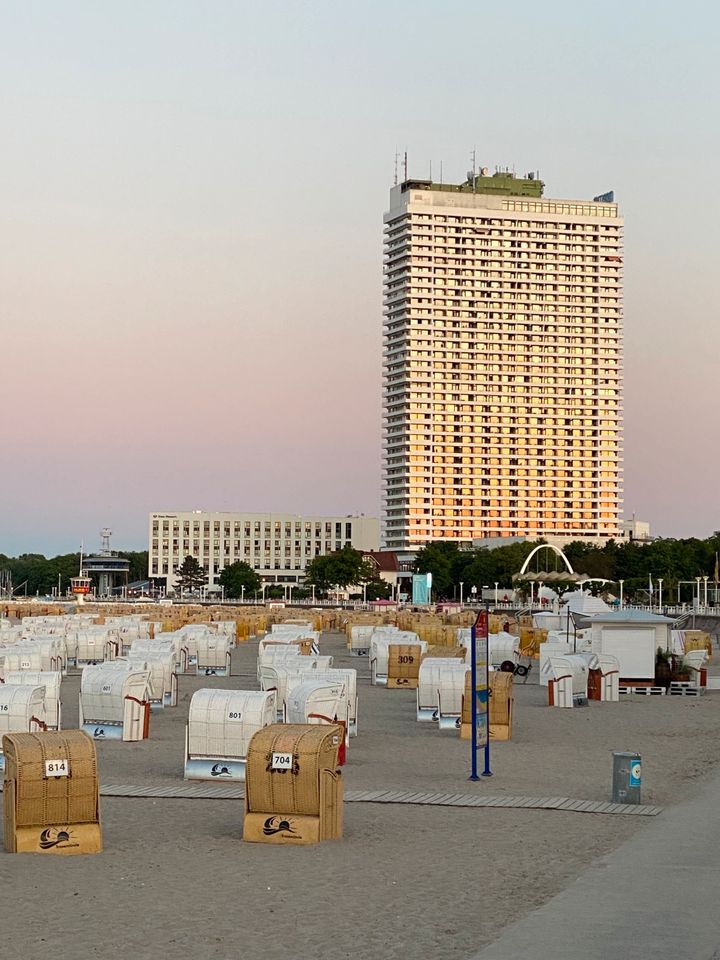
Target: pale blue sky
191,226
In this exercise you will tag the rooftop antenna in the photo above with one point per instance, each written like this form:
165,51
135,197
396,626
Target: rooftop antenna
472,157
405,165
81,558
106,533
431,171
397,157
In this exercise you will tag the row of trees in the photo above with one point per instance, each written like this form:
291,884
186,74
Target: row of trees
673,560
33,574
344,568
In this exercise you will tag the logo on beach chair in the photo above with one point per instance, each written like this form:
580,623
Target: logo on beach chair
275,825
218,770
52,837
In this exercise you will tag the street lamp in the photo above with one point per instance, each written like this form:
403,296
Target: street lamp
313,593
697,580
705,601
621,593
660,580
461,593
496,593
242,593
290,590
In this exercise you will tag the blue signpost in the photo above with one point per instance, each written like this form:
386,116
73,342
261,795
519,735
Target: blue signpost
480,691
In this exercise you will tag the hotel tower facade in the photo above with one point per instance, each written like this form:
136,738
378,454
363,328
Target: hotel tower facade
502,389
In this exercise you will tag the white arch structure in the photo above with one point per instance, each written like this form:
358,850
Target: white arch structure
546,546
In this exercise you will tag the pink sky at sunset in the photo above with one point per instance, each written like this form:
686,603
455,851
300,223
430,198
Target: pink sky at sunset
190,278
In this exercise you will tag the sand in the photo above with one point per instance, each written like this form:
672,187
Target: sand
176,880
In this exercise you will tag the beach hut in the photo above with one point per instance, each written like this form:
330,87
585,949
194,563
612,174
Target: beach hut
114,702
22,710
276,677
213,654
379,653
338,674
220,725
568,679
430,679
318,701
50,680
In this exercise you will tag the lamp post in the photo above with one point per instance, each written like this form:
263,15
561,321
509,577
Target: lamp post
496,592
290,590
705,600
365,594
660,580
263,587
461,594
622,583
242,593
313,593
697,601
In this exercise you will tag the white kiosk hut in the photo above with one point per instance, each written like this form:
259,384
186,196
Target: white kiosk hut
114,703
220,725
633,637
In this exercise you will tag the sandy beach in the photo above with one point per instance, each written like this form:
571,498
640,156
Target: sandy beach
176,879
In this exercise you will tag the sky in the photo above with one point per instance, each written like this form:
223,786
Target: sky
191,238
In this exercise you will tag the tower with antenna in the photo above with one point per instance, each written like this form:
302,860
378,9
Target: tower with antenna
108,570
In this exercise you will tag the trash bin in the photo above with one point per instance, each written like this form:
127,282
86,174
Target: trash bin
627,769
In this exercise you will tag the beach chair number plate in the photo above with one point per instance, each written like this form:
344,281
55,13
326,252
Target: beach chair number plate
57,768
234,715
281,761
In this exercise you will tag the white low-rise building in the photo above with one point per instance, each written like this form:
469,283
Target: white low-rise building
278,546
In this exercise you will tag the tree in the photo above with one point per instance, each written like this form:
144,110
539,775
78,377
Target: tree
190,575
236,576
342,568
138,564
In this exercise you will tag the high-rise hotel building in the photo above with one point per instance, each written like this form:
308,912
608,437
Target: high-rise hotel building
502,397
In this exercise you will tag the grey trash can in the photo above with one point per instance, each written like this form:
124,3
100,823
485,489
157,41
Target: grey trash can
627,771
